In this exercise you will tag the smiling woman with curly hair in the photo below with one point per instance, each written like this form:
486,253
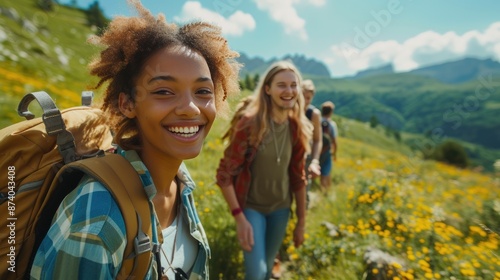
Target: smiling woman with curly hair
165,85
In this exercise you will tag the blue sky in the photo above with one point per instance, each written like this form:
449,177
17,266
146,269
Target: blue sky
348,36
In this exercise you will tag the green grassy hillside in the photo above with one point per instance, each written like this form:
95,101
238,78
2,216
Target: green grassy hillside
417,104
424,106
44,51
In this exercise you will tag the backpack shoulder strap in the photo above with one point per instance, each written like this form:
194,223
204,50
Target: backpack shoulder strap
326,126
121,179
309,112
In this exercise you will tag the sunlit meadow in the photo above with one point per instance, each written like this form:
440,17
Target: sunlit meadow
387,216
15,83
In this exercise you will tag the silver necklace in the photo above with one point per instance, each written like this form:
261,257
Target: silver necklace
278,153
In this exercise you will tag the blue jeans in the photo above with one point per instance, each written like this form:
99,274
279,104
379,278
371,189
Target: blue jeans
326,165
268,233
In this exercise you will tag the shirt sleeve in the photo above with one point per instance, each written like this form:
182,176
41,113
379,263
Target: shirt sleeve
90,260
234,155
86,240
297,165
333,129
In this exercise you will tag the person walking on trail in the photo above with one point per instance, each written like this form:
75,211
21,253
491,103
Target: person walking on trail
312,166
330,144
164,86
314,115
262,170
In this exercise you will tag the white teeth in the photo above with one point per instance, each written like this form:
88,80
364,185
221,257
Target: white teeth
184,131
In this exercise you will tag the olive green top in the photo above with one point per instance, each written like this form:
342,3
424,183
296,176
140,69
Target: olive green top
270,186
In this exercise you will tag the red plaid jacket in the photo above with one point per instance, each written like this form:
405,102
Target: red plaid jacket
234,167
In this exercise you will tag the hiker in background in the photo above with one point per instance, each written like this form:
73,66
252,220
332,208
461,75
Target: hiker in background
262,170
329,151
164,84
314,116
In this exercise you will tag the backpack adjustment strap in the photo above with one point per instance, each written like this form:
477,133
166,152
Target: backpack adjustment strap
53,121
66,146
51,117
54,125
142,243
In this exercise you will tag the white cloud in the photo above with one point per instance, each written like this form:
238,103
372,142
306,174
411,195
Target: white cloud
285,13
423,49
317,3
236,24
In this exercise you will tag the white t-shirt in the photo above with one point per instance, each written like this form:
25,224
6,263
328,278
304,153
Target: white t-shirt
186,247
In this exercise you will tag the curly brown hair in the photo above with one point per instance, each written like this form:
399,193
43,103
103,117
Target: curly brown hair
129,41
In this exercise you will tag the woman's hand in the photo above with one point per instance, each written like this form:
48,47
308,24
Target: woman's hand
244,232
298,235
314,169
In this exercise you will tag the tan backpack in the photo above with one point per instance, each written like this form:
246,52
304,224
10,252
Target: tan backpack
42,161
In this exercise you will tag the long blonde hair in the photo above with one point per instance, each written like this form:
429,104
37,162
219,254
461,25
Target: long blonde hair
259,107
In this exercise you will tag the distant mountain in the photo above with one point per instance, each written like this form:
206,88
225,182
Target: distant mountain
387,69
251,65
460,71
454,72
307,66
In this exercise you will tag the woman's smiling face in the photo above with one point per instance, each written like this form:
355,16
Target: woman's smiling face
283,89
174,103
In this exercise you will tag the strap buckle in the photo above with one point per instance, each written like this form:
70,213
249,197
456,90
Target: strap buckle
142,243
